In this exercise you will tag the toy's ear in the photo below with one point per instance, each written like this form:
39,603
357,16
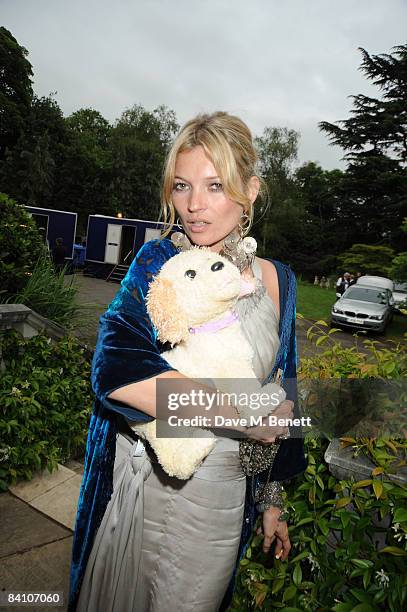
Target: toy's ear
168,318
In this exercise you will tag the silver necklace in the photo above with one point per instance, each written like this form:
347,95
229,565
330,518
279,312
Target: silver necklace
240,251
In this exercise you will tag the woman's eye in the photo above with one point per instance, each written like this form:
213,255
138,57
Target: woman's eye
180,186
216,187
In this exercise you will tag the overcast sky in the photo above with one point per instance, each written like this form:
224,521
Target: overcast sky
282,63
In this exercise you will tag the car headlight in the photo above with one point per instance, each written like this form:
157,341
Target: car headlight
337,310
376,317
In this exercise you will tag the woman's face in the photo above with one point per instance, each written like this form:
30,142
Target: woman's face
206,212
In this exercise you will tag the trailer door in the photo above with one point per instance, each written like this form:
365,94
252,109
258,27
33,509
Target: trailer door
113,239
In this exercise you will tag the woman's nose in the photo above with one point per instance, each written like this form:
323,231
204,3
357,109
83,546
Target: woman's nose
196,201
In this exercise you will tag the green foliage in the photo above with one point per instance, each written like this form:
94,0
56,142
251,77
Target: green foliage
30,171
373,137
15,89
138,145
349,539
45,403
91,125
399,263
372,359
53,295
336,562
322,225
20,246
357,390
84,175
399,268
277,150
368,258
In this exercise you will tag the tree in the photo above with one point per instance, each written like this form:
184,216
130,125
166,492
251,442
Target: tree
277,150
368,259
15,90
91,125
20,246
38,180
28,172
138,145
399,263
84,176
375,141
326,235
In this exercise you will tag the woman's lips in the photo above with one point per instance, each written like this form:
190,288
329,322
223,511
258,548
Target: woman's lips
197,226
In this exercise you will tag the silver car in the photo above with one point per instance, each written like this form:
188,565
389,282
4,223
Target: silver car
366,308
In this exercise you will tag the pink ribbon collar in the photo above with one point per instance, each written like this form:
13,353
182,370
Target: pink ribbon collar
213,326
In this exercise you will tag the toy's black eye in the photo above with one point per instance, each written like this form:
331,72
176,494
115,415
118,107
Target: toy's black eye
218,265
190,273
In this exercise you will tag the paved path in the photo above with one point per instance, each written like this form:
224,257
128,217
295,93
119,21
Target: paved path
99,293
37,520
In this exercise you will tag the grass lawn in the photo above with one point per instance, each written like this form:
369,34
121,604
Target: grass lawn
315,303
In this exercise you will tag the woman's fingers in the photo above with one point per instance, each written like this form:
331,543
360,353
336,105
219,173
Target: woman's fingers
266,433
267,542
285,409
283,547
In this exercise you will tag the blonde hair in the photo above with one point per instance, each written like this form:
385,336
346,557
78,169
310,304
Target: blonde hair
228,143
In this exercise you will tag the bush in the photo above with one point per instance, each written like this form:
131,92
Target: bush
20,245
45,400
336,562
51,295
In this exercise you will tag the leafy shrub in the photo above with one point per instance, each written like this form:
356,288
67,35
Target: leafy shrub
362,385
52,295
337,561
45,403
20,245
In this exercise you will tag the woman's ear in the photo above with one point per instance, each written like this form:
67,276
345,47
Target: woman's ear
254,188
168,318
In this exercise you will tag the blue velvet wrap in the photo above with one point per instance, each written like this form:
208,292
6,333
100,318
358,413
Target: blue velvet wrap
128,351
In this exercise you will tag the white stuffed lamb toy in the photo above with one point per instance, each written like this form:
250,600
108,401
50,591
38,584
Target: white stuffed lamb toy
190,303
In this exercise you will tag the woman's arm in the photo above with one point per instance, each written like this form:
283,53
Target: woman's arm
127,363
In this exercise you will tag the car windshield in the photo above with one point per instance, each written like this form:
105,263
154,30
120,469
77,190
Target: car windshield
400,287
364,294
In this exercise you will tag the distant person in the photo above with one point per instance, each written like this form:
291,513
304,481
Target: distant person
342,283
352,280
323,282
316,281
59,252
358,275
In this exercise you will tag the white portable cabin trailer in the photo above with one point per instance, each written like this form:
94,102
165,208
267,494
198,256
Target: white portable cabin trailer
113,242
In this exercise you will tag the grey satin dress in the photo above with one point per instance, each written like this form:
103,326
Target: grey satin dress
166,544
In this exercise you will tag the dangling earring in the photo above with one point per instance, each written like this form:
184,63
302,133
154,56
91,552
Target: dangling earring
178,222
243,219
241,251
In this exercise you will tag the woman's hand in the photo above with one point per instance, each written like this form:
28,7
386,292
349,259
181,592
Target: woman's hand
266,433
273,528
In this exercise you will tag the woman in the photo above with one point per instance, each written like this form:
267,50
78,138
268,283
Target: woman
145,541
